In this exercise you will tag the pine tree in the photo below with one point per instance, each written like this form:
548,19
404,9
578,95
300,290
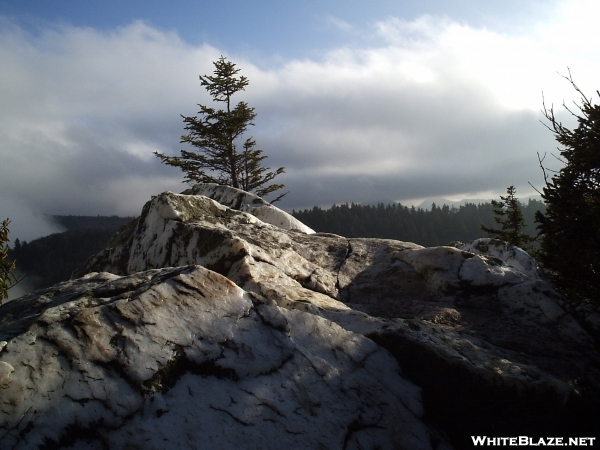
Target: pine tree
216,134
7,279
570,230
510,218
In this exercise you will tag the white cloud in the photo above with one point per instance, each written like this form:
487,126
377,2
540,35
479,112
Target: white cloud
436,108
25,223
86,109
422,32
516,68
340,24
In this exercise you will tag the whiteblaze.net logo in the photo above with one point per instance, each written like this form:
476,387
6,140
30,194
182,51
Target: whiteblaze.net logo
533,442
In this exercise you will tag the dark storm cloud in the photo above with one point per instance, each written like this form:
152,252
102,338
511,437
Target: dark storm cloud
416,144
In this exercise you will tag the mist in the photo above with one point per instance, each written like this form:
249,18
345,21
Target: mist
26,223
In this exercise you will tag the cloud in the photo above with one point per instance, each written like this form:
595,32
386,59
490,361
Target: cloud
439,108
339,24
25,286
428,107
25,223
86,110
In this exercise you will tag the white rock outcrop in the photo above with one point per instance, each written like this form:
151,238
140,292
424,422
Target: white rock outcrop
202,319
510,255
250,203
183,358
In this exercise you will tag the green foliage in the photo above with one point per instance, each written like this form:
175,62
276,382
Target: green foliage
570,230
508,215
7,279
438,226
216,133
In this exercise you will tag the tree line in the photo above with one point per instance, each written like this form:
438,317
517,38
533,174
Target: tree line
51,259
439,225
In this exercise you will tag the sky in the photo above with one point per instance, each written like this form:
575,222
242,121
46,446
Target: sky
361,102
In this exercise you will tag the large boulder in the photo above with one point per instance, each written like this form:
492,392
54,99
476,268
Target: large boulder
511,255
183,358
478,328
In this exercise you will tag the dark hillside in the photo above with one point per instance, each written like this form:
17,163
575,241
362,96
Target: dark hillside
52,259
97,223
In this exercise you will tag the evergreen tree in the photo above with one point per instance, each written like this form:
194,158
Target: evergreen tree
510,218
216,134
7,278
570,246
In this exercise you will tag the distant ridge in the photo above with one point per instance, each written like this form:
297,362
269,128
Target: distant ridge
51,259
440,201
106,223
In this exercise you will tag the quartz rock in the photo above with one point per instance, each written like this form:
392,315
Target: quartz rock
184,358
476,326
250,203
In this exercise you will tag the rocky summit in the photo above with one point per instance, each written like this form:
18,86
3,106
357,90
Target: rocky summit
216,320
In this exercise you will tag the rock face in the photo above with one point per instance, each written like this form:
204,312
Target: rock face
250,203
184,358
201,319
